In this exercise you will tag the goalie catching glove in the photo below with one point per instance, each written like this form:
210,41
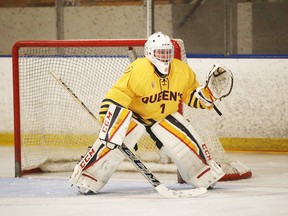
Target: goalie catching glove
218,85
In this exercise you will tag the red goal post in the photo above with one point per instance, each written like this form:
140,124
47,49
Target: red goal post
50,130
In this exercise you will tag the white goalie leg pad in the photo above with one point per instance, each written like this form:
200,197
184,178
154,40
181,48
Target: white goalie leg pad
134,133
207,176
100,162
96,167
184,146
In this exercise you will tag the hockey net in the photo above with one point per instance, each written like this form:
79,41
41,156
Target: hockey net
52,131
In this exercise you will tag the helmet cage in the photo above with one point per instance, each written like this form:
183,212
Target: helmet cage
163,55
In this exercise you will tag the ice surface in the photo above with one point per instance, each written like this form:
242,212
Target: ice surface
266,193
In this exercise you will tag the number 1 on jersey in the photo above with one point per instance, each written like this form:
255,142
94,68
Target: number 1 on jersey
162,108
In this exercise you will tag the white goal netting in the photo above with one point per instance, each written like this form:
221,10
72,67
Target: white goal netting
53,131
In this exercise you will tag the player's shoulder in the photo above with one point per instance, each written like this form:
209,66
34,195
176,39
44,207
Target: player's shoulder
142,63
179,63
141,67
180,66
141,74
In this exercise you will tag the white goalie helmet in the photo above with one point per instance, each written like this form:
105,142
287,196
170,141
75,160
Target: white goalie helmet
160,51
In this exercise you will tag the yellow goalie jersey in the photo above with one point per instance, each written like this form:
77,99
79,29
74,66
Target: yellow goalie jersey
150,97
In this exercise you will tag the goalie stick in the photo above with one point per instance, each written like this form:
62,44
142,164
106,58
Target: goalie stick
161,188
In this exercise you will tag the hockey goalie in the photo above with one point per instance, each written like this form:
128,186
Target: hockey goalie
147,97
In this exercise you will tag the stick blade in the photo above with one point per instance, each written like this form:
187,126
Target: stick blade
168,193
